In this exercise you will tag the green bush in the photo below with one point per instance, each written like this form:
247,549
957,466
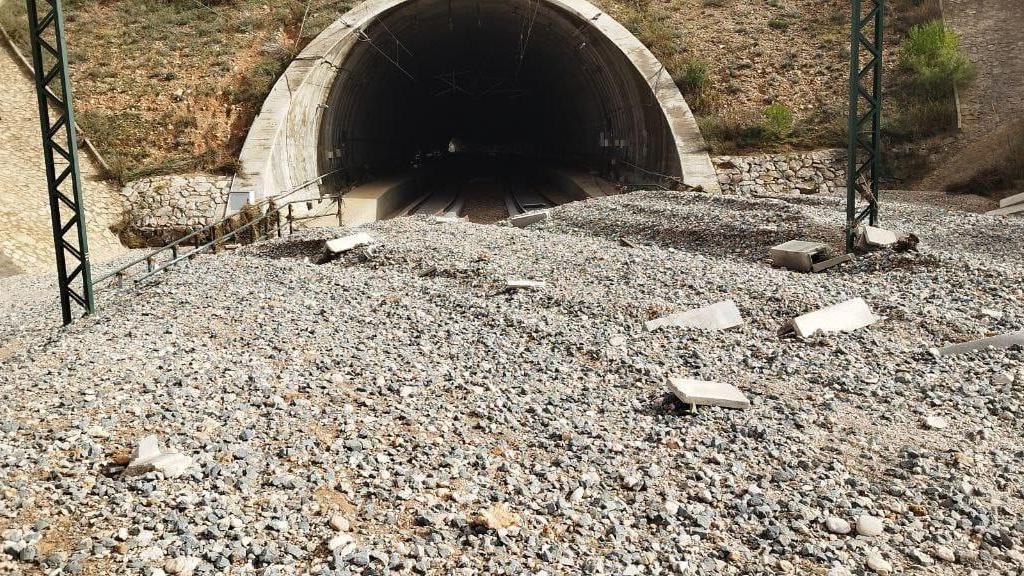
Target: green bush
932,57
778,121
693,77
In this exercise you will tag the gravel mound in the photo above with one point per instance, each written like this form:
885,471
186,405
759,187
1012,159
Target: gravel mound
394,411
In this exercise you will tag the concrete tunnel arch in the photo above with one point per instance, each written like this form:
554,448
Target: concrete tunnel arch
559,81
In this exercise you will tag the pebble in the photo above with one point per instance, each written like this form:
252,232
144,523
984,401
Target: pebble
869,525
935,423
945,553
339,523
876,562
837,525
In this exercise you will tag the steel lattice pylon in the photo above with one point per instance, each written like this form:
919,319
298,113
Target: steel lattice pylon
864,161
60,151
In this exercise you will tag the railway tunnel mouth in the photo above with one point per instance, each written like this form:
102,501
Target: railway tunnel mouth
396,85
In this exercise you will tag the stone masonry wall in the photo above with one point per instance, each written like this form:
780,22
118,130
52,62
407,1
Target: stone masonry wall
176,202
822,171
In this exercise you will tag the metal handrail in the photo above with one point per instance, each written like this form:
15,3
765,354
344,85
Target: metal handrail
173,246
152,268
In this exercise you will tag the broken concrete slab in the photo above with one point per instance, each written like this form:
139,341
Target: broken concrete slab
149,457
529,218
798,255
1012,200
348,243
1008,211
878,237
999,342
704,393
718,316
517,284
831,263
843,317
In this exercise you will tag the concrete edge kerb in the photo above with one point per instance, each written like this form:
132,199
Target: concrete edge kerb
270,166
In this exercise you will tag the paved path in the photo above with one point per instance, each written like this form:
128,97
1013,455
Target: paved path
26,238
992,34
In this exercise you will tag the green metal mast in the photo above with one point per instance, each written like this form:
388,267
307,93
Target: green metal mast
60,151
864,160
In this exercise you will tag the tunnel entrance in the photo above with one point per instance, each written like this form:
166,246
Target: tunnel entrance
547,84
498,78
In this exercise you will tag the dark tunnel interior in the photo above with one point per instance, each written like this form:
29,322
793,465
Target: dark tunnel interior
496,78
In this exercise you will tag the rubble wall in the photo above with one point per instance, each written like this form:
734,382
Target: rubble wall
818,172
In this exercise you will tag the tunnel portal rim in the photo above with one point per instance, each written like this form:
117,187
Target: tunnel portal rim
280,153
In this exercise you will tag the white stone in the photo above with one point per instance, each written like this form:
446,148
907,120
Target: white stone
339,523
875,562
341,543
519,284
149,457
844,317
702,393
148,447
1002,379
719,316
837,525
868,525
945,553
347,243
935,423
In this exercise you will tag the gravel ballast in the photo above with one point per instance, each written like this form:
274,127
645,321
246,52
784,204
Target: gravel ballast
395,410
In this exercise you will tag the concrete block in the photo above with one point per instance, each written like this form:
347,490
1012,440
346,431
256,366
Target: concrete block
798,255
702,393
719,316
878,237
844,317
999,342
347,243
517,284
377,200
529,218
1012,200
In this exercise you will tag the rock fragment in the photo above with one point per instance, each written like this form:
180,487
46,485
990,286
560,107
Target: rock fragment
877,563
497,517
149,457
935,423
878,237
719,316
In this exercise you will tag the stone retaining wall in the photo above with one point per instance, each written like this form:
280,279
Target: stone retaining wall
822,171
176,202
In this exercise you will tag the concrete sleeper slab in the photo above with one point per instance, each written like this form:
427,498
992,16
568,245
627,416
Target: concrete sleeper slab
703,393
718,316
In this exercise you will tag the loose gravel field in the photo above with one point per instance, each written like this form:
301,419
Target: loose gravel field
356,417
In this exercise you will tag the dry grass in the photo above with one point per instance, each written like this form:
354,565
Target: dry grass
1002,165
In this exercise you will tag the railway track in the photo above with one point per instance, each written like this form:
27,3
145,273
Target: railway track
481,200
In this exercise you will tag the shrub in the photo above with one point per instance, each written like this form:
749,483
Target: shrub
932,57
693,77
778,24
733,133
778,121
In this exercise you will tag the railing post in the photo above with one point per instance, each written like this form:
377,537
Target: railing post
149,264
291,226
337,200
